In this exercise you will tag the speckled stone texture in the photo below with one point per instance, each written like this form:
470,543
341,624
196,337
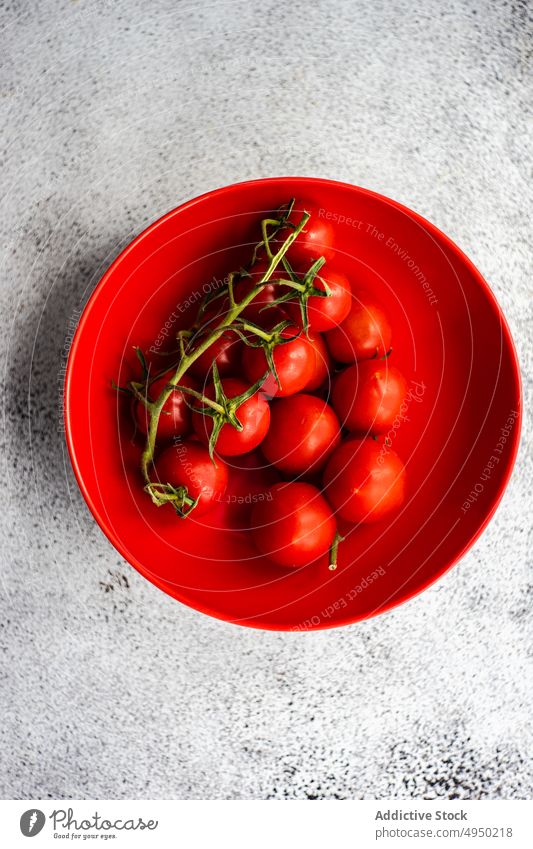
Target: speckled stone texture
113,113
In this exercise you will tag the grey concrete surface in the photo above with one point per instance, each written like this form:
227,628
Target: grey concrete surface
112,113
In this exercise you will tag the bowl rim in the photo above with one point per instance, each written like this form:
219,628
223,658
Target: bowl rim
402,597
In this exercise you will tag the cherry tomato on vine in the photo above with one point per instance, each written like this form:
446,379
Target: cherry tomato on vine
367,396
226,351
322,362
175,418
294,526
364,481
303,432
189,464
253,414
325,313
295,363
316,239
364,333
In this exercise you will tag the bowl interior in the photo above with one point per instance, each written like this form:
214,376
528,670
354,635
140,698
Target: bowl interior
458,435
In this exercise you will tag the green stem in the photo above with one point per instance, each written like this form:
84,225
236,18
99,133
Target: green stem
334,551
251,328
207,402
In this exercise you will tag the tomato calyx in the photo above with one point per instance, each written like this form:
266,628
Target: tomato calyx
275,225
165,493
223,410
257,337
302,287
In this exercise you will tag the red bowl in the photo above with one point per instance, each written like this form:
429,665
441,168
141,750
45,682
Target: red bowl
458,437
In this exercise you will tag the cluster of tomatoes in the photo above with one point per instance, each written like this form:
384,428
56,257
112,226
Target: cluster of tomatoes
326,392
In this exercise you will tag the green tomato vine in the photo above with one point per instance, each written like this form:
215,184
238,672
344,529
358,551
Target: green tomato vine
195,341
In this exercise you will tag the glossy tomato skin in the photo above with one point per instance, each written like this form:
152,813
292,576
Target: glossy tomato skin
363,334
303,432
294,526
189,464
295,364
364,481
316,239
175,418
325,313
226,351
322,362
254,415
368,396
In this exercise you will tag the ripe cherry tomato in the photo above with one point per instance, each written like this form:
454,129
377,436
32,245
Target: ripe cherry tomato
325,313
189,464
175,418
367,396
294,525
322,362
226,351
364,481
315,240
303,432
364,333
294,361
253,414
